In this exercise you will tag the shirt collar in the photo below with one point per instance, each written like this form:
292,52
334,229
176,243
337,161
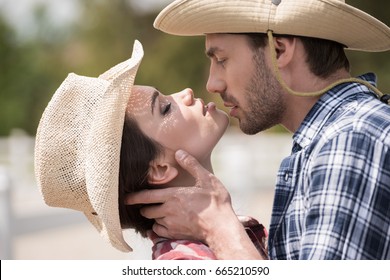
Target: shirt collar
325,106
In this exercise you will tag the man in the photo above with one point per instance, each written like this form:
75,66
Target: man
283,62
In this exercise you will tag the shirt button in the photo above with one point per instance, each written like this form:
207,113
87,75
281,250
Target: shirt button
286,176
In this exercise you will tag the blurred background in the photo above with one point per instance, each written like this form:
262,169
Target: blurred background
41,41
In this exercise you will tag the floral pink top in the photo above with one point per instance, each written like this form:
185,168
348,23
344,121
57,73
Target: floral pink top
179,249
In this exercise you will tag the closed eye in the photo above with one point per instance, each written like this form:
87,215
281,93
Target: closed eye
221,61
166,108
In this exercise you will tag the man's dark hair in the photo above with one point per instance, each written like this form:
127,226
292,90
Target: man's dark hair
324,57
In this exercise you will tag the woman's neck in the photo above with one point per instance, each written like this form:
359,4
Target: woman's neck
185,179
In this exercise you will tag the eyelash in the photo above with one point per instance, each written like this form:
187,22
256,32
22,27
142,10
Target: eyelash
166,109
221,61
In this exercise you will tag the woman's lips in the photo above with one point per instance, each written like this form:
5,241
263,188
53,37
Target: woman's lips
208,108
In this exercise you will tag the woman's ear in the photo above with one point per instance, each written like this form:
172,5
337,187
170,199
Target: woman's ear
161,173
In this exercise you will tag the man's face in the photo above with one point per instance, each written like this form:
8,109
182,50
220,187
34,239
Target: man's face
244,81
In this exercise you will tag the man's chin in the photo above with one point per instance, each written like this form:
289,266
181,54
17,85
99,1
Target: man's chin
251,128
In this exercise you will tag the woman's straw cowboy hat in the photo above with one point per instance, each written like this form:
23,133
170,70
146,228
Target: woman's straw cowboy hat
78,145
327,19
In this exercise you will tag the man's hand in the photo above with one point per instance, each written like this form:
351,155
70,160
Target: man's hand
187,212
202,212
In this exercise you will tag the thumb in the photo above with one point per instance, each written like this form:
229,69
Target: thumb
190,164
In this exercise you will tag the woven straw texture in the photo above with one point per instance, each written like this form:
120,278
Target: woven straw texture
78,143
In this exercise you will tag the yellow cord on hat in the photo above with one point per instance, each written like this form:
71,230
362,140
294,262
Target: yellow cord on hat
320,92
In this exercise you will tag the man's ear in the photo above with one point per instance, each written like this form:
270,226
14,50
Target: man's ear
285,47
161,173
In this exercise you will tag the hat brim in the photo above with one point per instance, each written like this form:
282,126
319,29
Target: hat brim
326,19
78,144
103,150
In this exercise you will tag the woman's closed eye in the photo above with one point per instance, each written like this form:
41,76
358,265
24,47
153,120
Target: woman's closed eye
166,108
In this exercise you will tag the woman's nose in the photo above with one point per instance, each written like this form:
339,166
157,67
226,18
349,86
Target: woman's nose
186,96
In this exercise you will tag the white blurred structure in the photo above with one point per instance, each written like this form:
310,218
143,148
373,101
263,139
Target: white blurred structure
29,229
5,215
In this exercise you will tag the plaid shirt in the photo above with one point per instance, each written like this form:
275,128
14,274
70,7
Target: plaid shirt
332,198
179,249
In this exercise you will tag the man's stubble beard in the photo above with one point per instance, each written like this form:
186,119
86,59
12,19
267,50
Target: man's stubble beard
264,98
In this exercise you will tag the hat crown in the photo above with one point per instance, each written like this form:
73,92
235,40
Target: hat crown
310,18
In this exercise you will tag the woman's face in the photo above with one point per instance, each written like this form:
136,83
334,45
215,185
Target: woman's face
178,121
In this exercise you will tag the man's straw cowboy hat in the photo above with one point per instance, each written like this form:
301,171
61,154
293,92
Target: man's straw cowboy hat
78,145
327,19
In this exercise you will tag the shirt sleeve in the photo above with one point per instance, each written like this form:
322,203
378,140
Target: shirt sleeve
348,200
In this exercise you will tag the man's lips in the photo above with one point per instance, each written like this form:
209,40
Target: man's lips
233,108
228,104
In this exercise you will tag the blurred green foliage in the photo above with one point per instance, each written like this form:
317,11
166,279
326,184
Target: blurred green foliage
31,70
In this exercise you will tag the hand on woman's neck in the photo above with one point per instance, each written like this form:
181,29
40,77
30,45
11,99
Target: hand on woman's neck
185,179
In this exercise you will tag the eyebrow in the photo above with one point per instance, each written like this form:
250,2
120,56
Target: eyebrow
211,51
154,98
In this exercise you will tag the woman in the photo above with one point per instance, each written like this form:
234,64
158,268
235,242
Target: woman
102,138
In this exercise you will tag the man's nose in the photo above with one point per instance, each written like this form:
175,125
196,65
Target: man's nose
215,84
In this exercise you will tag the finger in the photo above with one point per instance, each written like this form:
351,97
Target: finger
152,212
160,221
151,234
148,196
189,163
161,230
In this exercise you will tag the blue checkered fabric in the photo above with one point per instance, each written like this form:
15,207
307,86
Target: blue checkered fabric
332,198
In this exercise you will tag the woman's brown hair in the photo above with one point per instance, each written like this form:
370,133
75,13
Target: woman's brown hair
137,151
